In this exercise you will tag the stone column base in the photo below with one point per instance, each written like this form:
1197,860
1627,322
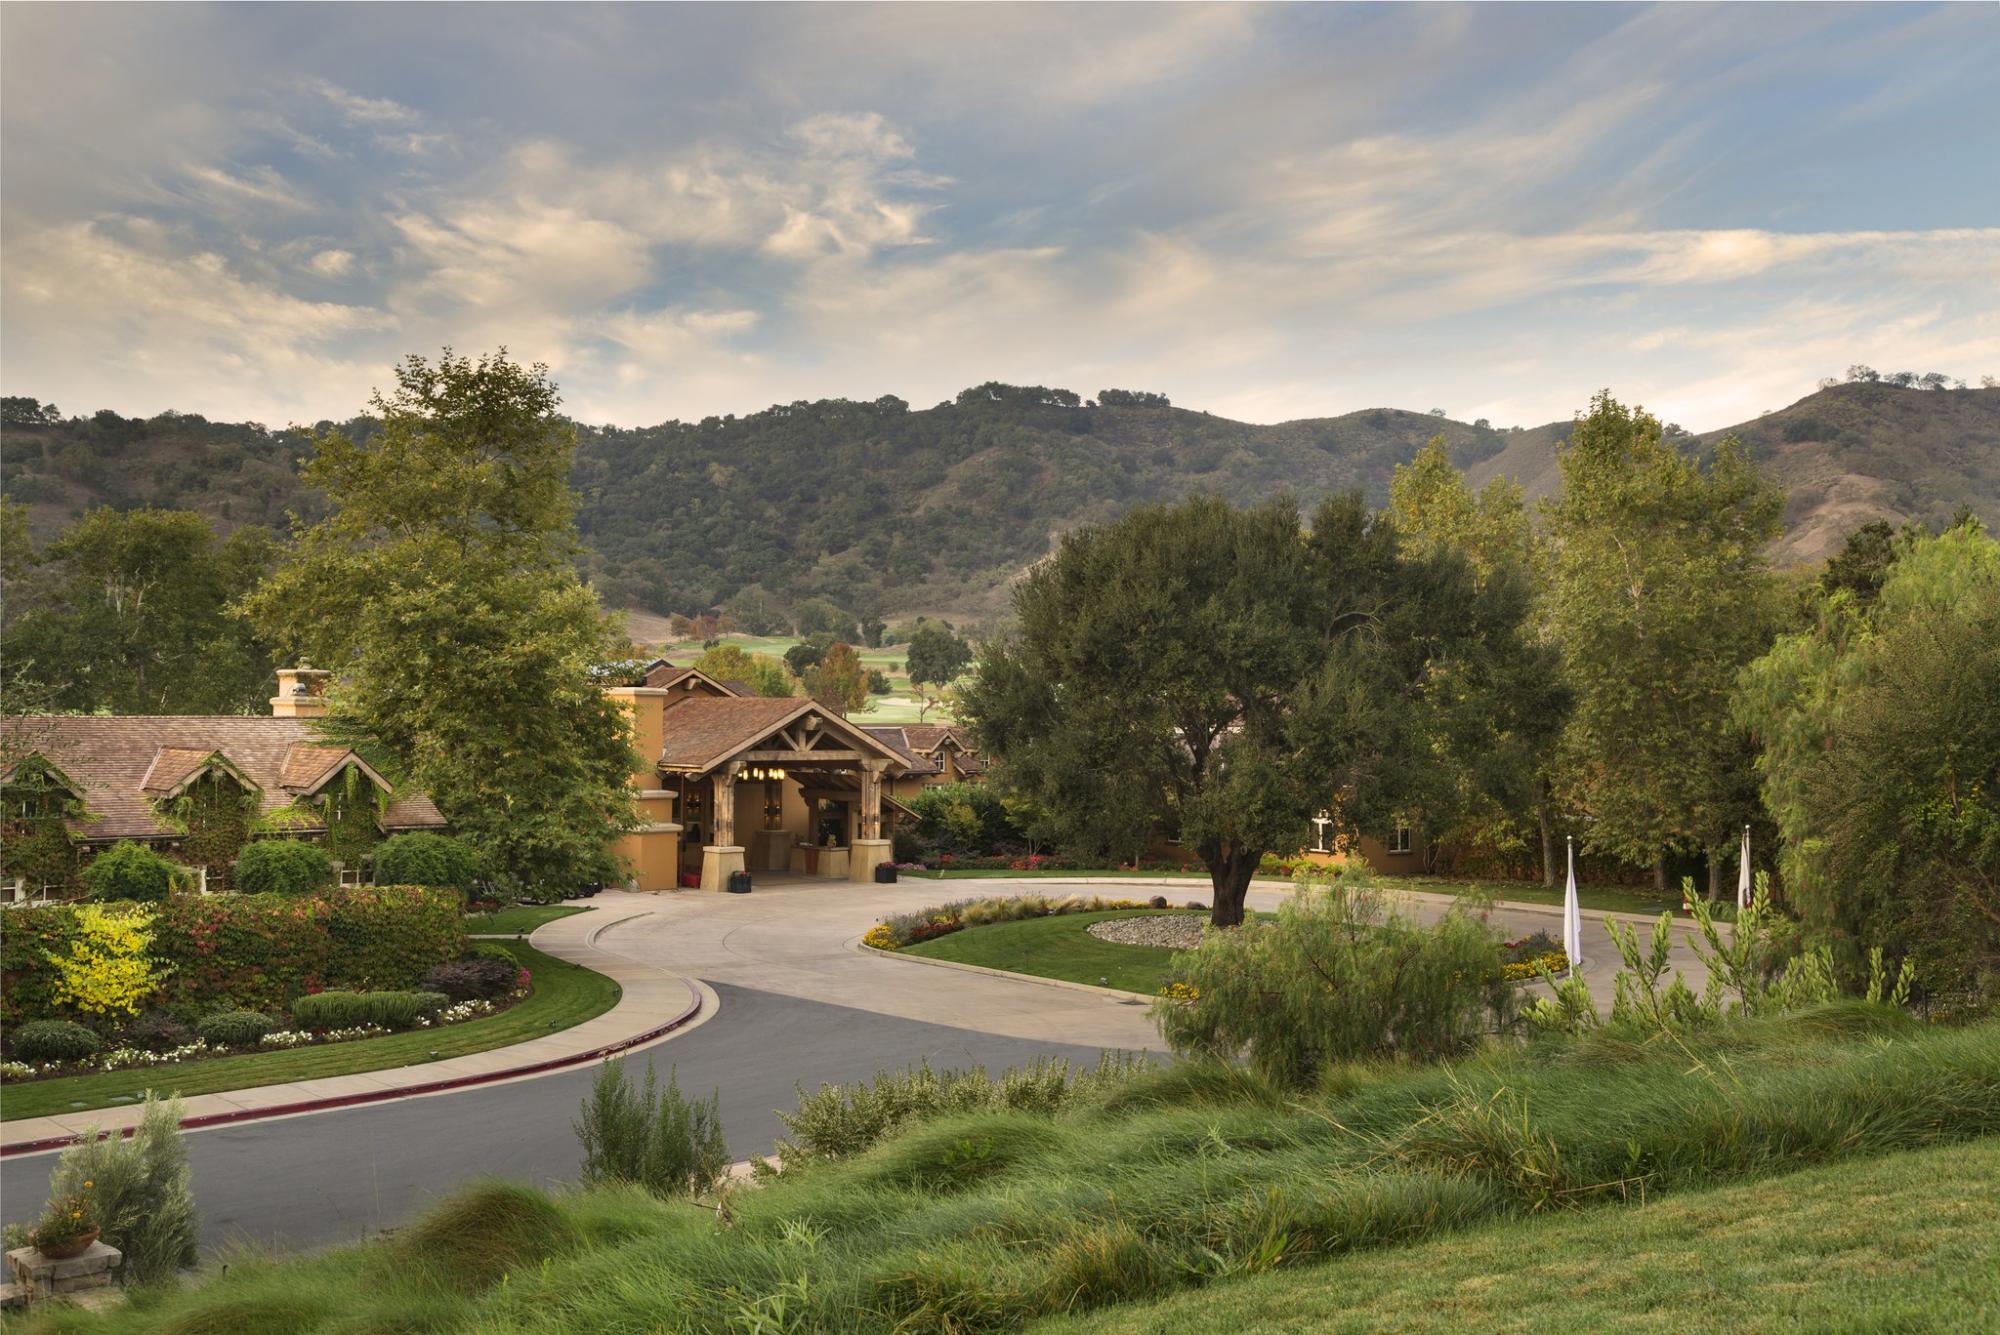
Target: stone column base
867,852
717,862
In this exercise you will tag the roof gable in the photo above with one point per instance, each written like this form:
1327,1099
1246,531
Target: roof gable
701,733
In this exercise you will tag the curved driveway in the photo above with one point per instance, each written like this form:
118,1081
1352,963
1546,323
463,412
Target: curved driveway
799,1003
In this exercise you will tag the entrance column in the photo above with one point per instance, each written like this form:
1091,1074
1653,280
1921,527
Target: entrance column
724,855
869,845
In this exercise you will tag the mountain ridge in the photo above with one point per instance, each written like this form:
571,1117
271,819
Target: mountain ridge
883,509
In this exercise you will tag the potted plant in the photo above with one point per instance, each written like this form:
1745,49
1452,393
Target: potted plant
67,1227
885,873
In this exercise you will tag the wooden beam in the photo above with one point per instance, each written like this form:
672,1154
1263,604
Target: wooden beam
799,757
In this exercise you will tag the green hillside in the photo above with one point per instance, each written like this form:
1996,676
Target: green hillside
881,508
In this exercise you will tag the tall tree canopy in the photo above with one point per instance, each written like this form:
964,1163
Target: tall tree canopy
1501,793
1225,674
1658,594
130,611
1880,734
764,675
440,590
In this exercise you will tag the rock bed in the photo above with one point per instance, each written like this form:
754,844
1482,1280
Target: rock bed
1176,931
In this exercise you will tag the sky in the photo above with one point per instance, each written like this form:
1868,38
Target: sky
253,212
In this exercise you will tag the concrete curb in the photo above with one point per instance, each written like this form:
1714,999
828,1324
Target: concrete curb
687,1016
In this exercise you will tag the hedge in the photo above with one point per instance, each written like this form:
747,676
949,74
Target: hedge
283,867
422,858
254,952
128,870
345,1010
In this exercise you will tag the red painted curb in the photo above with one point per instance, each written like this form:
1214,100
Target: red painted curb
385,1095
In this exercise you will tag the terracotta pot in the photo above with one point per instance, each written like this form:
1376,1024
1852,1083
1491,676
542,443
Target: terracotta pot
76,1246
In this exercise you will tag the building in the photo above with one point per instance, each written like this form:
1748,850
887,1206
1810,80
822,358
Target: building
729,781
937,753
139,777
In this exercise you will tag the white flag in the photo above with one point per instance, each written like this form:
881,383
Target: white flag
1743,873
1572,915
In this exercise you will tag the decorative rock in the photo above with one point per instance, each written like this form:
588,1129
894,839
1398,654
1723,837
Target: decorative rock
1176,931
92,1270
13,1296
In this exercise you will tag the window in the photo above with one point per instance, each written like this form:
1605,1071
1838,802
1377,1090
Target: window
1323,833
1399,842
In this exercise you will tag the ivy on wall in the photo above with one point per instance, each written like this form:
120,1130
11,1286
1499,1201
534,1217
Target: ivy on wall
213,816
352,809
35,843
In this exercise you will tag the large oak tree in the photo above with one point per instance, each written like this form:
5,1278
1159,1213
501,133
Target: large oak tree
1225,674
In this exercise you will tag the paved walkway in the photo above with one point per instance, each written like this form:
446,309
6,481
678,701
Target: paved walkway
650,996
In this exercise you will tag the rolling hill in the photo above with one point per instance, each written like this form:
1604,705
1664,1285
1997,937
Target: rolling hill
881,508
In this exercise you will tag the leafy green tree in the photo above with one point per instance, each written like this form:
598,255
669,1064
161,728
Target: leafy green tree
441,589
755,611
817,616
130,611
802,657
1862,565
1504,722
1879,728
937,658
766,676
1224,674
838,680
1658,594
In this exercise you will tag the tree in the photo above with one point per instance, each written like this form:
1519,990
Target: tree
1506,723
765,676
17,411
441,590
803,656
872,629
130,611
756,611
423,858
1862,565
838,680
1880,733
817,616
937,657
1658,594
1221,674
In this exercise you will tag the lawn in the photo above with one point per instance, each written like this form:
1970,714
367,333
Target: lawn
1906,1242
564,994
519,920
1057,947
1597,898
1200,878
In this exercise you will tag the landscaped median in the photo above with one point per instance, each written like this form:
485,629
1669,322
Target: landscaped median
561,995
1045,936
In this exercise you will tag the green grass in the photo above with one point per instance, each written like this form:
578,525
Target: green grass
992,873
522,918
1597,898
1907,1242
1184,1180
1056,947
564,995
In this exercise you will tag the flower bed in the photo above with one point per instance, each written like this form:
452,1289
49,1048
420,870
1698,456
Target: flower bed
1526,958
124,1058
907,929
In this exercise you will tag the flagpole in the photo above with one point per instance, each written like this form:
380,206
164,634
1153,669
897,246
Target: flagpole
1743,873
1572,915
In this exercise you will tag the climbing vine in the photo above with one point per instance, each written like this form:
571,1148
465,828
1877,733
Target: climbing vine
352,809
213,817
36,807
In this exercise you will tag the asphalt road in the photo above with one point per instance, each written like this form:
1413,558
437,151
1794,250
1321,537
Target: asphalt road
330,1177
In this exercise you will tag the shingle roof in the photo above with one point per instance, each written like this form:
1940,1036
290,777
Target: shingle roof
897,738
123,763
704,730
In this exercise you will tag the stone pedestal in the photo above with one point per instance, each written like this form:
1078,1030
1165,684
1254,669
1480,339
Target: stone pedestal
717,862
867,852
44,1278
774,850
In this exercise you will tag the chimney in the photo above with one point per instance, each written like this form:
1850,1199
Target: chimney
301,692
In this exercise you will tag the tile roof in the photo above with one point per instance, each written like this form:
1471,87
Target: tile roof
123,763
897,738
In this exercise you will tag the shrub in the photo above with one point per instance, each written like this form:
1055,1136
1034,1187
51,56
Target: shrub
283,867
479,1236
347,1010
909,928
261,951
1335,978
156,1031
108,968
53,1041
650,1137
31,940
474,979
234,1029
130,871
141,1189
426,859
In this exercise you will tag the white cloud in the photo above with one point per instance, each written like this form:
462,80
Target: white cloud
332,263
367,110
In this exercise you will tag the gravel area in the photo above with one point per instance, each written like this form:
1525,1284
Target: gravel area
1177,931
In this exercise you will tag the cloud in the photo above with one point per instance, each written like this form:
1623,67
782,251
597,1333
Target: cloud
363,110
332,263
